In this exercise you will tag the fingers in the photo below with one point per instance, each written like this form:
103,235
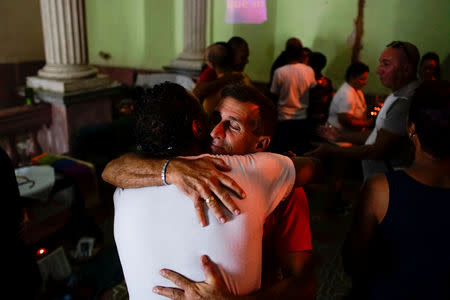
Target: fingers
202,193
227,201
177,279
211,202
171,293
200,213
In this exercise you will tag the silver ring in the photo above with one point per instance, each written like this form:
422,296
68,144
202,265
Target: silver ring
209,199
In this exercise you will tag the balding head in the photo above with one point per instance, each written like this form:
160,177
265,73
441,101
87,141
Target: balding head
410,54
218,56
398,64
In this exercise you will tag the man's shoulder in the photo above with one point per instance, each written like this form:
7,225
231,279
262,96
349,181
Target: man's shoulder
251,157
407,90
344,90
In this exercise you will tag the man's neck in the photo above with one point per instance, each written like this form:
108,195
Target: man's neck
402,85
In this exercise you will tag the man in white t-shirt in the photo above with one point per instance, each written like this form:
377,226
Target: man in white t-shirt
290,86
148,239
384,147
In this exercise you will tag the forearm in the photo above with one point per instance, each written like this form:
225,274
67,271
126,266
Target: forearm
356,152
358,138
353,123
204,89
133,170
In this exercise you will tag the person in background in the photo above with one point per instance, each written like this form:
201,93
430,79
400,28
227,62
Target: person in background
209,83
384,147
348,113
348,109
282,59
305,55
240,53
291,88
219,59
321,95
398,246
430,68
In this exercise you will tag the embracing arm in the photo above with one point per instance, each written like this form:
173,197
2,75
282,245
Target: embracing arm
370,211
132,170
197,178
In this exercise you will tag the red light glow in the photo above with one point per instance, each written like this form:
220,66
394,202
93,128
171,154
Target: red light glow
41,251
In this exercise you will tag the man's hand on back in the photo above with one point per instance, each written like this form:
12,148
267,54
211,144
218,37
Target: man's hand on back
201,178
212,288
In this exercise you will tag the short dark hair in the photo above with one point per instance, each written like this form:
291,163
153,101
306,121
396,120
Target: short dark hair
219,55
293,42
294,51
317,61
267,110
237,42
164,116
356,69
430,113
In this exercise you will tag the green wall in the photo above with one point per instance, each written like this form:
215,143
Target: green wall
149,33
136,33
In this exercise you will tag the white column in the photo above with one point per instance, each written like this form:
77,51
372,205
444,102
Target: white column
194,39
66,69
64,40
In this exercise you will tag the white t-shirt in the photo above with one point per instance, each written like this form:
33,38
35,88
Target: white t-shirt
292,83
156,227
347,100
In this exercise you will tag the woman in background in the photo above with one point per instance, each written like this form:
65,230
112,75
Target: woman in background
348,109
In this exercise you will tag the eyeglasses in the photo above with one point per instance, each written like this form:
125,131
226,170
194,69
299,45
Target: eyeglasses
400,45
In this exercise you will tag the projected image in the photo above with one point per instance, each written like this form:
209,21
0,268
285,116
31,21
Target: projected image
246,12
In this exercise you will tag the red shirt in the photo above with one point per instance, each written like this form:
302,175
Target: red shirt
286,230
208,74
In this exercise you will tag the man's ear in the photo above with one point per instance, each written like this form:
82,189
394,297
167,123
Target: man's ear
197,129
263,144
